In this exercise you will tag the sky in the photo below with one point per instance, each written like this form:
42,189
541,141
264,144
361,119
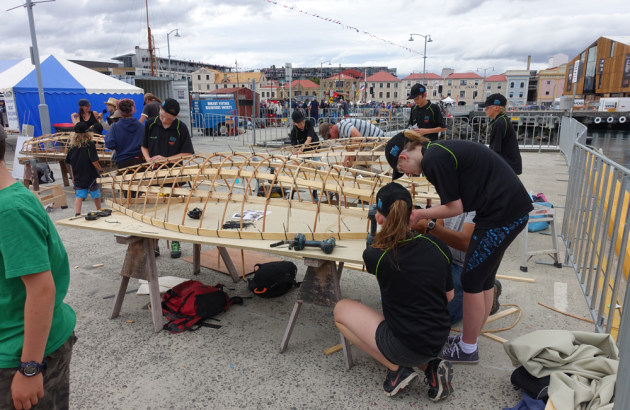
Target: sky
467,35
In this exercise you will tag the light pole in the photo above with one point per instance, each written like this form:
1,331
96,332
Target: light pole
484,79
321,78
427,39
168,45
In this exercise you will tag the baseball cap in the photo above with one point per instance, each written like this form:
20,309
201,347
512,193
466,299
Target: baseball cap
171,106
494,99
416,90
81,127
84,103
297,116
394,147
389,194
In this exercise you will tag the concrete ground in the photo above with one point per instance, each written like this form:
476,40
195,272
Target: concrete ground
123,364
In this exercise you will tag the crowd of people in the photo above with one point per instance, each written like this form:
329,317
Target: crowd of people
435,266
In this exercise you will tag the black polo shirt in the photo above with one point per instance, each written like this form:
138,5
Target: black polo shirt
503,141
478,176
413,281
166,141
298,136
429,116
81,160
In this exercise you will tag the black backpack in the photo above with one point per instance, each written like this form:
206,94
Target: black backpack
273,279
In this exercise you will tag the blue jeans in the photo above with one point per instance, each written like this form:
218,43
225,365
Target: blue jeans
456,306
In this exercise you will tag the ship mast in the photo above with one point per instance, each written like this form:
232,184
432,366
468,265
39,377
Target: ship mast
150,42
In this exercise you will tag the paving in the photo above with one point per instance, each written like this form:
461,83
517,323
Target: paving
123,364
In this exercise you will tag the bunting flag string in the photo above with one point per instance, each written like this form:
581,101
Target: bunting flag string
340,23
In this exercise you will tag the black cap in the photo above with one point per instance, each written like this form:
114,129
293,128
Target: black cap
416,90
81,127
297,116
84,103
494,99
171,106
389,194
394,147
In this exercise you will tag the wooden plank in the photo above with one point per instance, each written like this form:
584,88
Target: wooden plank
494,337
516,278
501,314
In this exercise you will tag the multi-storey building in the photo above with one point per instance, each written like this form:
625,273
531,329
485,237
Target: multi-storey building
517,87
550,85
381,86
494,84
604,69
433,83
205,80
462,87
140,61
344,84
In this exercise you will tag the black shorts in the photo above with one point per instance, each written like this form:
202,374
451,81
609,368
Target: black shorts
485,253
395,351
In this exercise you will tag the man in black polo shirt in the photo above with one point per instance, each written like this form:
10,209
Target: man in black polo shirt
425,115
302,133
502,135
166,138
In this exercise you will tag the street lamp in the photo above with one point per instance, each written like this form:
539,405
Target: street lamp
485,92
168,45
427,39
321,78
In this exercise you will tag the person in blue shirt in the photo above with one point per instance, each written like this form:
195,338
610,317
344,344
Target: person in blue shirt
125,136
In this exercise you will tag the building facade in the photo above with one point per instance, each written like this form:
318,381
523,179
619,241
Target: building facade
381,86
464,88
433,82
495,84
604,69
517,87
550,85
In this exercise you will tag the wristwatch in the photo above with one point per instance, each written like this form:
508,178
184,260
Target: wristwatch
30,369
431,225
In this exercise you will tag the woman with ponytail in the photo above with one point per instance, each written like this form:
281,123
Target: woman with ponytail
467,176
413,274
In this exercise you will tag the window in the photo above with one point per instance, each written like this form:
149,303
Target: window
389,85
462,94
199,77
224,85
395,85
425,82
380,94
387,94
462,82
522,84
199,86
450,82
208,77
488,87
476,82
499,86
448,94
207,86
434,93
511,84
380,85
408,83
520,95
546,92
612,48
511,94
395,94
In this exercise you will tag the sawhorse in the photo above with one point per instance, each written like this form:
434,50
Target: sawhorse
320,287
542,214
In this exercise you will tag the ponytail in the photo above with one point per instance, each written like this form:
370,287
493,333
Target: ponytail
395,228
414,140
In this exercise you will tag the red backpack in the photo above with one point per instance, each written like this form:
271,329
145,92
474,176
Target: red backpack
189,304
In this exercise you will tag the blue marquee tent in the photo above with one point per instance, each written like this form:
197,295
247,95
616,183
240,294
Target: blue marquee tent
64,84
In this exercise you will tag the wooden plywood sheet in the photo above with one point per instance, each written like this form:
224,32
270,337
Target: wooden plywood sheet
210,259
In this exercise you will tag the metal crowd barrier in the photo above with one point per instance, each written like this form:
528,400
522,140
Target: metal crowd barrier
595,232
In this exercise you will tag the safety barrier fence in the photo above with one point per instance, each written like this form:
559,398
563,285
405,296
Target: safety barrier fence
595,232
539,132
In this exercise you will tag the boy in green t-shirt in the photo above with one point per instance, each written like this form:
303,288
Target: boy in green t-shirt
36,327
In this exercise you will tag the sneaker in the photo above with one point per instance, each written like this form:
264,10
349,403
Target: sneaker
453,339
398,380
454,354
176,250
439,374
497,292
